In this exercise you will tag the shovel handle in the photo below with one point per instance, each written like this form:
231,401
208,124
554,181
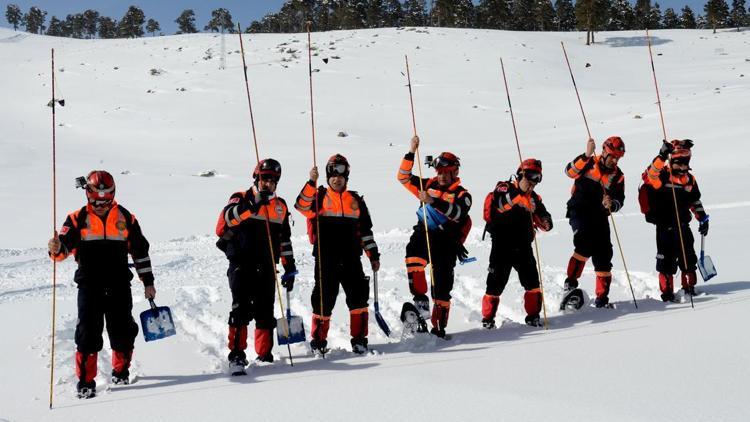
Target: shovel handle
375,287
151,302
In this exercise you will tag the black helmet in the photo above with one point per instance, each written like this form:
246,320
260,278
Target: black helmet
267,167
337,165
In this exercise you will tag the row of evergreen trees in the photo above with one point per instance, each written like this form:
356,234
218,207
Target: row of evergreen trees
89,24
521,15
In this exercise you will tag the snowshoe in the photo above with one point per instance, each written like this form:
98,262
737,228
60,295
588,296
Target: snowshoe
237,366
319,347
423,306
86,390
573,300
533,321
601,302
121,378
488,324
669,297
412,319
437,332
359,346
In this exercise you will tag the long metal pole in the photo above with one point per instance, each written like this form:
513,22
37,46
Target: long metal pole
54,233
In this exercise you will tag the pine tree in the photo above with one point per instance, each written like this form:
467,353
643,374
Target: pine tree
152,26
621,16
55,28
131,24
107,27
73,26
642,14
591,15
375,15
90,20
687,18
186,22
654,18
393,13
522,14
717,12
671,20
495,14
738,15
544,15
465,14
566,15
415,13
321,12
221,20
14,16
34,20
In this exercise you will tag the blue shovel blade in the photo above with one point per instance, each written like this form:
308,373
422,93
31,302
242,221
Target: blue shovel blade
157,323
296,330
706,267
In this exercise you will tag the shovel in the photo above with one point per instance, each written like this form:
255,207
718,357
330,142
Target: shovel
705,264
379,318
157,322
290,330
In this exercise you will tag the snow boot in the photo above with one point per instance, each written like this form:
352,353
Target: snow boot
601,302
688,282
666,287
86,390
490,304
319,333
86,372
359,345
263,345
120,367
440,312
533,320
488,324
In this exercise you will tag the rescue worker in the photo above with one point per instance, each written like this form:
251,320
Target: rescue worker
671,169
345,231
598,190
447,204
244,227
513,211
100,236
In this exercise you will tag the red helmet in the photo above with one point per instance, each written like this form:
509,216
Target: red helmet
531,168
614,146
682,143
337,165
446,161
100,186
267,167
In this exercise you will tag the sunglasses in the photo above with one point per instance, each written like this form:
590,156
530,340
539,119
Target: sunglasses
337,169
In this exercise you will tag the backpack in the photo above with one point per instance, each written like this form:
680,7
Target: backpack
646,199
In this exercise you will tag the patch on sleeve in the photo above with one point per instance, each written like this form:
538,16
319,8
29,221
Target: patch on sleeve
64,230
467,201
234,200
502,188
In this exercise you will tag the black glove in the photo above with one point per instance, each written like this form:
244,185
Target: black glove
462,253
665,150
703,227
287,280
265,197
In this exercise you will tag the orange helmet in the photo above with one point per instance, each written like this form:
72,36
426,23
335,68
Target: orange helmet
531,168
446,161
614,146
100,186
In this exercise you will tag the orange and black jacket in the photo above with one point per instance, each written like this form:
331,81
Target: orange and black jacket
242,231
508,213
101,246
452,201
591,181
686,191
345,223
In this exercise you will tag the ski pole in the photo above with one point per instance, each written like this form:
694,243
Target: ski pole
669,169
54,233
611,217
421,186
531,214
266,207
315,164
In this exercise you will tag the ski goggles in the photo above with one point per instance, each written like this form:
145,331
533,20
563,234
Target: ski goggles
444,164
532,176
337,170
100,203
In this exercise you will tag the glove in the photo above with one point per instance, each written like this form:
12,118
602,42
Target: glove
703,227
265,197
287,280
665,150
462,253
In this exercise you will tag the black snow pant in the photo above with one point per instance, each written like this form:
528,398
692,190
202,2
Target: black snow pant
503,257
443,249
97,305
340,269
669,251
591,239
253,288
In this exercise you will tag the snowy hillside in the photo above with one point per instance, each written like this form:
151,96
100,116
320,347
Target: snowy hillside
156,112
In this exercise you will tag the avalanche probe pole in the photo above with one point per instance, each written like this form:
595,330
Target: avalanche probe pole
421,187
531,214
669,169
266,207
54,234
315,164
612,218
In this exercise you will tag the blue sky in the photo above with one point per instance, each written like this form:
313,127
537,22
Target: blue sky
165,11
